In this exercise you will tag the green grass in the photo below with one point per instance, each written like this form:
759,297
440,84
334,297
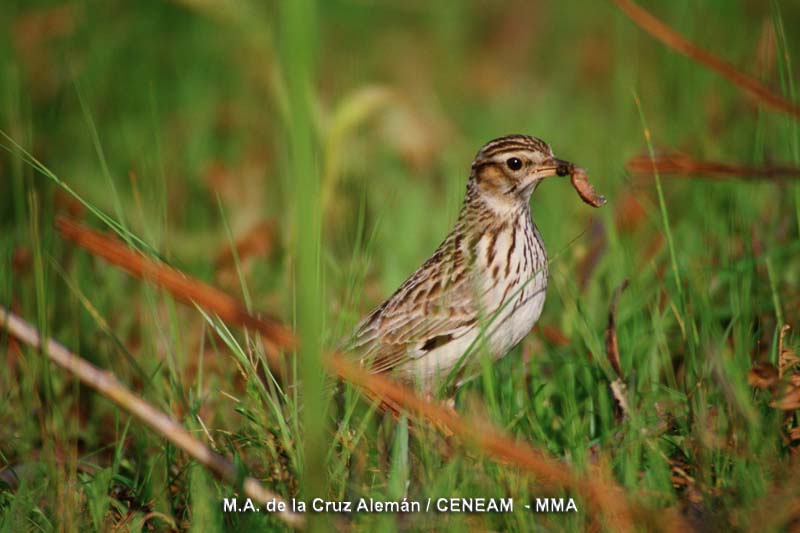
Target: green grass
350,125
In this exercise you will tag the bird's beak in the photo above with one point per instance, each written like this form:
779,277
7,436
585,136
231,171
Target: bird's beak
563,168
557,167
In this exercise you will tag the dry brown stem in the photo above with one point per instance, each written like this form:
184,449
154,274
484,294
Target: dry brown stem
178,284
664,33
108,386
684,165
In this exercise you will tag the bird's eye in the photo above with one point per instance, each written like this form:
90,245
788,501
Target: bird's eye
514,163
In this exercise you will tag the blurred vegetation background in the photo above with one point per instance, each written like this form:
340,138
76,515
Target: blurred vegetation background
214,130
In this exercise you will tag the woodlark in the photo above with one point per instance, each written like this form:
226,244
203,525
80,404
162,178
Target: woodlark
483,289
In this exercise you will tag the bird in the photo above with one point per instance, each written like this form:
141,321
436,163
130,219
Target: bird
482,290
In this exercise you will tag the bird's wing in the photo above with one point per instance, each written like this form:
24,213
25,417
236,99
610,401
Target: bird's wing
433,307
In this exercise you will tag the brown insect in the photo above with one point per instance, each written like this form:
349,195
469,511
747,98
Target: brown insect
581,183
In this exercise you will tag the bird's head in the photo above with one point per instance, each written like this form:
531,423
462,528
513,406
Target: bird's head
508,169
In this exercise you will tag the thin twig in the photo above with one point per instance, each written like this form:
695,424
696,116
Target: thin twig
685,165
182,287
108,386
661,31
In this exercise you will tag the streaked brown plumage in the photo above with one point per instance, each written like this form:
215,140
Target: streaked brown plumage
485,284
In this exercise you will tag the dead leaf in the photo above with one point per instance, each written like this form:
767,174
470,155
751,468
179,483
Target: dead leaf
787,360
793,434
789,399
763,376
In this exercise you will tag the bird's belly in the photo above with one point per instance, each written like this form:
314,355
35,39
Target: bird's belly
517,315
503,329
432,370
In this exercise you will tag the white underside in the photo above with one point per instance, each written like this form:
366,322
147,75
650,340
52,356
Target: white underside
505,324
433,368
